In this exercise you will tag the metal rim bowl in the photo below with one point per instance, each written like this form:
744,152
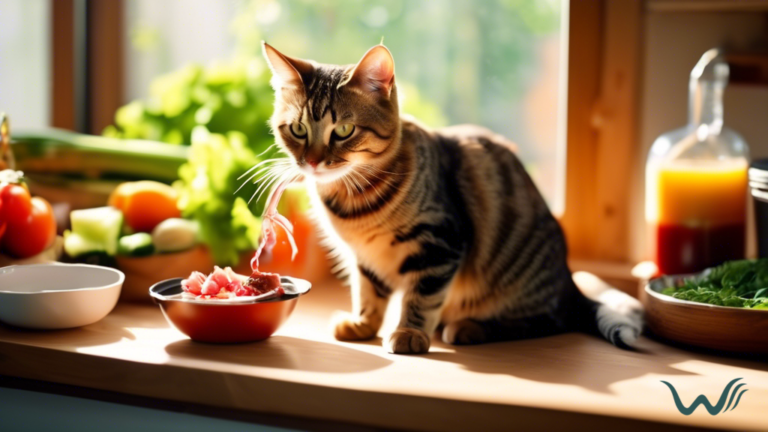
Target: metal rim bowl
221,321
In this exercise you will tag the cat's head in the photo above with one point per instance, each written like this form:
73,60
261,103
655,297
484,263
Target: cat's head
333,119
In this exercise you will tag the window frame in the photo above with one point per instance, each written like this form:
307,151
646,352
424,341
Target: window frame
86,63
603,98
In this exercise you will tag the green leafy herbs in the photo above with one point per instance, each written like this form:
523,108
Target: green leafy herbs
735,284
225,96
207,185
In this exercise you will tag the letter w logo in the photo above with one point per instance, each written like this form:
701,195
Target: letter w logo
702,400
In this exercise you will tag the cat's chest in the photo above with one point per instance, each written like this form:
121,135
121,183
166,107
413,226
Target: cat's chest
376,248
371,239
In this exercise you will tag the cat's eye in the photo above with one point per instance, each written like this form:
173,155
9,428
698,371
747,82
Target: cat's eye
344,131
298,130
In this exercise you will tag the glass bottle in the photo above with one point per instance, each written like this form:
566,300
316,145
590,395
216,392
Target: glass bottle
696,181
6,156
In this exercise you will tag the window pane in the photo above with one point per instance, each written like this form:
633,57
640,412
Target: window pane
494,63
24,62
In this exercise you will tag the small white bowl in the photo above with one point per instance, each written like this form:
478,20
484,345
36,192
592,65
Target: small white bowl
57,296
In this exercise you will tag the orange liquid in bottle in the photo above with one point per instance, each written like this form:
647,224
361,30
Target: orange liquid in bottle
701,214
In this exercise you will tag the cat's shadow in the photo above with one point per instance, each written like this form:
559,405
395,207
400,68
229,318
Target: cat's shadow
571,359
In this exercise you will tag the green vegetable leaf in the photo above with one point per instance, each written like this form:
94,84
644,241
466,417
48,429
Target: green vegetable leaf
247,223
735,284
207,185
225,96
669,291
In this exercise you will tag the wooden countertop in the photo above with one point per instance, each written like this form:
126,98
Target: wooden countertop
569,380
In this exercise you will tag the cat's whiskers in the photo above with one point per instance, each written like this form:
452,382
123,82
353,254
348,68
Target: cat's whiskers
271,146
277,162
346,184
384,180
357,184
372,173
284,151
274,166
362,189
261,172
351,184
375,189
266,161
269,179
278,173
287,175
264,181
374,168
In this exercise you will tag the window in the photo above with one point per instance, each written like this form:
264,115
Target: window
536,71
24,62
494,63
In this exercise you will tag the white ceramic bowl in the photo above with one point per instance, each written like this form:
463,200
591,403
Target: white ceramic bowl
57,296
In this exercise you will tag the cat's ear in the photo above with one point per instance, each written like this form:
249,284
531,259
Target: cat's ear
374,73
286,71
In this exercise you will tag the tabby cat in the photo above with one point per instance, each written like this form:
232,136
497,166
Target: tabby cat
449,216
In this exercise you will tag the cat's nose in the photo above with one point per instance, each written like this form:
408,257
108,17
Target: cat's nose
313,160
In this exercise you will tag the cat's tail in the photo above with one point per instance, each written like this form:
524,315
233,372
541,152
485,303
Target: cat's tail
606,311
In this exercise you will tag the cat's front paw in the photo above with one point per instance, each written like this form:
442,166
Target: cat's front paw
349,328
407,341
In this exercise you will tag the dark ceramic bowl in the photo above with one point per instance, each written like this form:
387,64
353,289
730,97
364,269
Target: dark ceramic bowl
217,321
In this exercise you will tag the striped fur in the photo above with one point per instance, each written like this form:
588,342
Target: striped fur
449,216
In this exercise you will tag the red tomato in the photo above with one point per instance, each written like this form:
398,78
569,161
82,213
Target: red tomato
33,234
16,204
2,220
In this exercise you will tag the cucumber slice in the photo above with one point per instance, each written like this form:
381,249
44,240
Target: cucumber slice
136,245
99,225
76,245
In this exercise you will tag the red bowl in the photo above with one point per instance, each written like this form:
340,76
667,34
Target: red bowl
217,321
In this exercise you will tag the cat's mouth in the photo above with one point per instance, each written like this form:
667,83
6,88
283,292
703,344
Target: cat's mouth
325,175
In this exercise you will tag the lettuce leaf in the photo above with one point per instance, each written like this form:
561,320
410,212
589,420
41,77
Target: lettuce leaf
207,185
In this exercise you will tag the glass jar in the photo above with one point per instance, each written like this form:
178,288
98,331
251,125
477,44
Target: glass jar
696,181
6,156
